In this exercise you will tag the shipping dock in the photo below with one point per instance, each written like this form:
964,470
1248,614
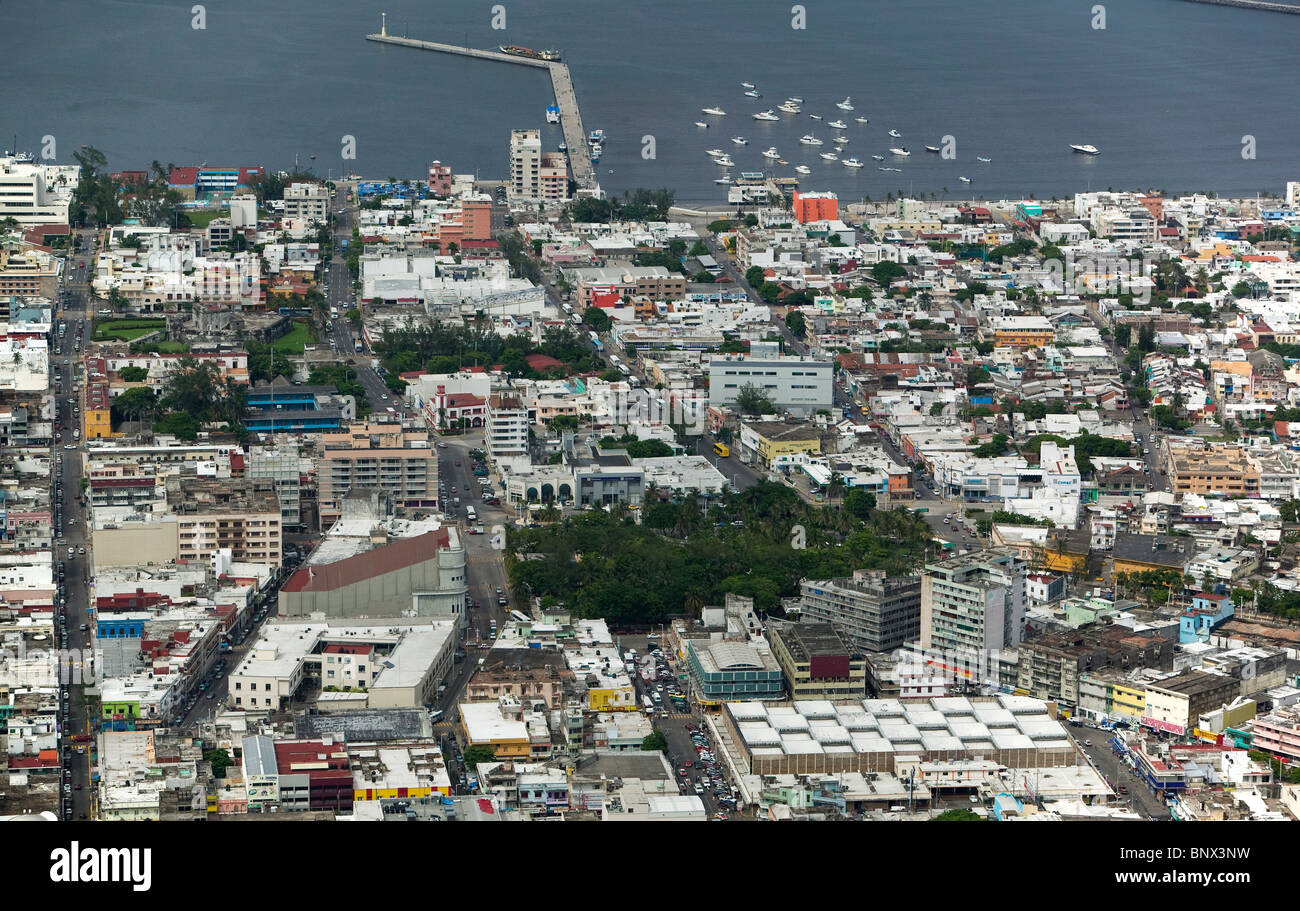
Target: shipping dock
570,118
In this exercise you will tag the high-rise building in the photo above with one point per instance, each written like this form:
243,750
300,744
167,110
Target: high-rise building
535,174
507,427
36,194
876,612
973,603
378,456
307,202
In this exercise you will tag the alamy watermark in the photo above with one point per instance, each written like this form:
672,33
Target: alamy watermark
75,666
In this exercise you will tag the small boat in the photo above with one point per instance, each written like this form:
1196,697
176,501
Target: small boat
717,112
552,113
723,180
985,160
862,120
788,107
753,94
837,125
772,153
877,157
896,134
934,149
739,140
596,136
595,153
782,161
796,99
701,123
714,153
896,170
748,85
811,140
803,169
830,156
725,161
845,105
766,115
852,163
964,179
562,147
841,140
900,152
1086,150
815,116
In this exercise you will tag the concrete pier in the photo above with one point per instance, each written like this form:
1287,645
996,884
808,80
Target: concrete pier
1254,4
570,118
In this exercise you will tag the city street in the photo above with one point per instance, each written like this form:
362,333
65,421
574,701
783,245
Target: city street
1117,772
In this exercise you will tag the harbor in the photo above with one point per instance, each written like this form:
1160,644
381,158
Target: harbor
566,100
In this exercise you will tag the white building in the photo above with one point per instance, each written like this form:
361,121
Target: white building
507,427
799,385
36,194
304,203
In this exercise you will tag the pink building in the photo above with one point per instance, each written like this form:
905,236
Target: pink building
439,179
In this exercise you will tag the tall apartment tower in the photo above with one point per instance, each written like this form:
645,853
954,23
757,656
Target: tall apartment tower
973,603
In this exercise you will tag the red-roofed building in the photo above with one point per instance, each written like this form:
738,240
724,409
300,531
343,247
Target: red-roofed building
384,581
542,363
314,774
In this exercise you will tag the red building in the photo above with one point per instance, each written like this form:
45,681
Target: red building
815,207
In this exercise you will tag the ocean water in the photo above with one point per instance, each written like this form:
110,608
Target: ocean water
1168,90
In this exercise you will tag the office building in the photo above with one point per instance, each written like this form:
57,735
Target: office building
875,612
796,384
36,194
507,427
381,456
234,514
817,662
973,603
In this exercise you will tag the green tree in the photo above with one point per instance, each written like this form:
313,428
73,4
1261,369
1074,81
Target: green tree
655,742
859,502
796,323
476,753
220,760
597,319
131,374
754,276
752,400
958,815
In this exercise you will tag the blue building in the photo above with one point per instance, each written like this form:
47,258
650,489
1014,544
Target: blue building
292,409
1206,613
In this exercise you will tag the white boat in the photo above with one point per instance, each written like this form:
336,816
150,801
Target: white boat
766,115
725,161
595,152
772,153
701,123
852,163
717,112
1086,150
841,140
723,180
862,120
845,105
877,157
896,134
837,125
803,169
714,153
796,99
830,156
934,149
552,113
985,160
753,94
964,179
900,152
896,170
815,116
789,107
811,140
782,161
748,85
739,140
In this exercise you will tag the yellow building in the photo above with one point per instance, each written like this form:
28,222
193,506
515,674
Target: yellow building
1063,553
510,731
770,440
1023,331
1128,700
97,422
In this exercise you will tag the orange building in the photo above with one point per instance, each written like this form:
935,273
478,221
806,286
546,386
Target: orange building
815,207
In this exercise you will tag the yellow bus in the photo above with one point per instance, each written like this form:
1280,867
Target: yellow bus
721,449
